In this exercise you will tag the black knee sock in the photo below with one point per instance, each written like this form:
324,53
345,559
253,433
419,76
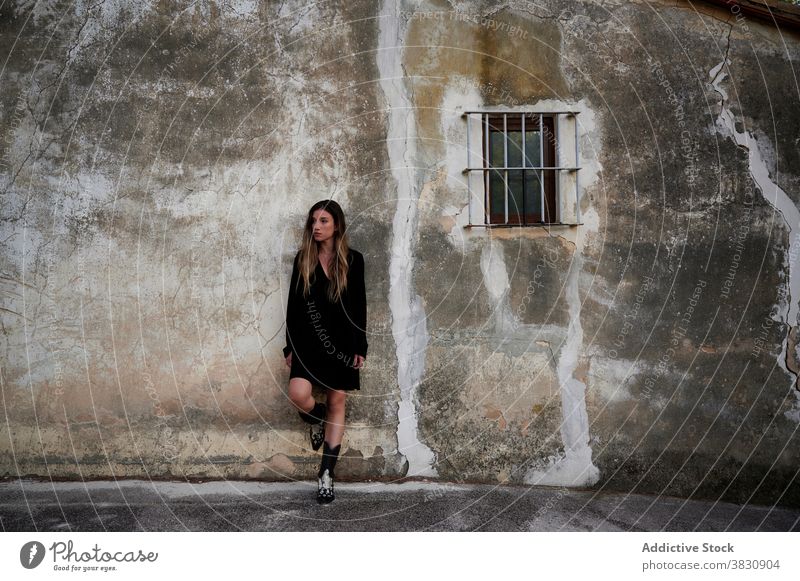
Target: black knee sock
329,457
316,415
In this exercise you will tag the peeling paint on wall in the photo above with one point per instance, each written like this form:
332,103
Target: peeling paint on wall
495,278
575,467
408,314
778,199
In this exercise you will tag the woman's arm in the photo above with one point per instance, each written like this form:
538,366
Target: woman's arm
291,310
359,305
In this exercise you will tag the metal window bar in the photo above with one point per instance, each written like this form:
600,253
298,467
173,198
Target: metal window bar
524,155
541,171
577,176
562,168
557,176
505,165
469,177
540,168
486,208
518,112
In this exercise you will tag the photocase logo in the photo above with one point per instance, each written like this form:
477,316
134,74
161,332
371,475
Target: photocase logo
31,554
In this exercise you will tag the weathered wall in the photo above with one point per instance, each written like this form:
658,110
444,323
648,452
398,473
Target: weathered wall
158,160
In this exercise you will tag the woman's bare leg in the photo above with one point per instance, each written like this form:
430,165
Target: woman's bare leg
300,394
334,430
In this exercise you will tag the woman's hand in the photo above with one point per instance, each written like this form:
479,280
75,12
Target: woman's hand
358,363
289,360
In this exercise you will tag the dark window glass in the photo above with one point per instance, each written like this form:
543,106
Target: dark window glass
523,187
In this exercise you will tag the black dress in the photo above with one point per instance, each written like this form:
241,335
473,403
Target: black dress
322,336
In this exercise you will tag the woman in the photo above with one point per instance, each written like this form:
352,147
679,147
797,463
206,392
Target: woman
326,339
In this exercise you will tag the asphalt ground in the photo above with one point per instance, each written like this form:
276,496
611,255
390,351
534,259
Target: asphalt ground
140,505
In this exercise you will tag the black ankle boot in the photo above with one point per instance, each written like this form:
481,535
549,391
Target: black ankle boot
325,476
325,488
329,458
316,417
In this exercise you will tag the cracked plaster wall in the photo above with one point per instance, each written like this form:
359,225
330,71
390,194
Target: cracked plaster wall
157,164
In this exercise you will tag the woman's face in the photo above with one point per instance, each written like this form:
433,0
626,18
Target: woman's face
322,225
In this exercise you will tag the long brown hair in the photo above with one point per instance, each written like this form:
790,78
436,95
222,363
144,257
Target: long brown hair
309,252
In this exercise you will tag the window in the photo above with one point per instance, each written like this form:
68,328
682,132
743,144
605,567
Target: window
515,175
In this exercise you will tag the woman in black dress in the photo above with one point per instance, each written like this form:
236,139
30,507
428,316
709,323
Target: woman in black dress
326,339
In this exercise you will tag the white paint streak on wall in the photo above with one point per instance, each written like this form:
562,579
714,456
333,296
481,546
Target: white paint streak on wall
408,315
495,278
460,217
779,200
461,95
575,468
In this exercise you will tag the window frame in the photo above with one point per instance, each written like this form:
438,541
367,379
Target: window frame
549,167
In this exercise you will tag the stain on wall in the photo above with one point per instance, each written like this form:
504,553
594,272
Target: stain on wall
157,161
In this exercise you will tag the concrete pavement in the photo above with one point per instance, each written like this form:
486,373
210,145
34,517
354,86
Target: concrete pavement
134,505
